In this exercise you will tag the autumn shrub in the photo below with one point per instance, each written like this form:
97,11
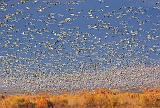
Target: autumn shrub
16,102
102,101
59,102
41,102
88,99
114,101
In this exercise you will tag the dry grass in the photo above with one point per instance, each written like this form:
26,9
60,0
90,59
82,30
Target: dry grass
101,98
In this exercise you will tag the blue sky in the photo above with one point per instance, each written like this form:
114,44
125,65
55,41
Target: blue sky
70,35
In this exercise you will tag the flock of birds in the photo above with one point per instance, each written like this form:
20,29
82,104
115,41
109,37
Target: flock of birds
75,44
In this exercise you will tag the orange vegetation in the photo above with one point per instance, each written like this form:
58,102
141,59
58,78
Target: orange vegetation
100,98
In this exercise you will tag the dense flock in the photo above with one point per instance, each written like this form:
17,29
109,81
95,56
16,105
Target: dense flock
58,45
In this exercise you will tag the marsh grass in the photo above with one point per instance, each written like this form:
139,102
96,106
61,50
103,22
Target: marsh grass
101,98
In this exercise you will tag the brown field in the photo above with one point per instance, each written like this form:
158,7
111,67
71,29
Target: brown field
100,98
